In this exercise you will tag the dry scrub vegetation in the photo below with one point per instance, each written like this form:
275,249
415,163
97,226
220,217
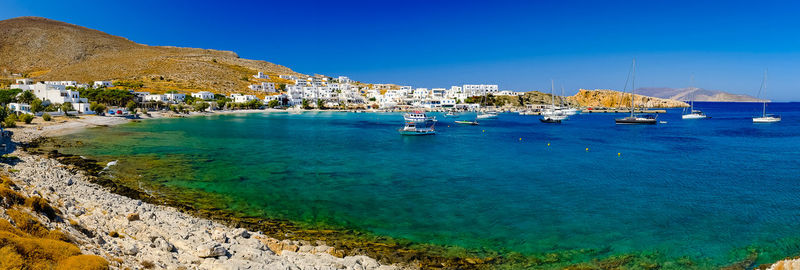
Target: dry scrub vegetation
45,49
28,244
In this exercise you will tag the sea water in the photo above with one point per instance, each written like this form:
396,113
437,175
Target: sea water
706,189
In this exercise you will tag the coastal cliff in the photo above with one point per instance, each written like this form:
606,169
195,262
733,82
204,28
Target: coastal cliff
611,98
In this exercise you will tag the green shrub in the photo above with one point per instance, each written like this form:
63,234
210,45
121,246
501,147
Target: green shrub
46,117
27,118
10,121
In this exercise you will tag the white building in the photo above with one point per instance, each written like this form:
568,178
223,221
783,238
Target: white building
287,77
20,107
22,82
156,98
203,95
239,98
421,93
98,84
509,93
264,86
54,94
261,75
175,97
480,89
344,79
64,83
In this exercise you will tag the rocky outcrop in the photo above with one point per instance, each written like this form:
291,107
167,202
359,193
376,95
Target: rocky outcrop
788,264
611,98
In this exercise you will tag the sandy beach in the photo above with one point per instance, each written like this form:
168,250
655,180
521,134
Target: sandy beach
130,233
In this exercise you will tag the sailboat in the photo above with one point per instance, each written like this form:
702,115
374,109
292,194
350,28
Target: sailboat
692,113
634,119
552,115
765,118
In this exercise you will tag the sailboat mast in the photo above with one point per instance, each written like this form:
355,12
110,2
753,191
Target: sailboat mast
552,97
633,85
691,82
764,86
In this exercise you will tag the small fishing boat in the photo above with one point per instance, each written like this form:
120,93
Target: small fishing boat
765,118
417,124
465,122
412,129
487,115
450,114
418,116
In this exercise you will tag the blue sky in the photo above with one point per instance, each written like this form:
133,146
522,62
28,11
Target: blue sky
519,45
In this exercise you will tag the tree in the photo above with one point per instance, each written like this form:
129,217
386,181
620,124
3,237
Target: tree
306,104
65,107
189,100
36,106
131,106
97,107
320,104
8,96
273,104
200,106
26,97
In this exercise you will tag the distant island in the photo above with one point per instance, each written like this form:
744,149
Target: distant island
696,94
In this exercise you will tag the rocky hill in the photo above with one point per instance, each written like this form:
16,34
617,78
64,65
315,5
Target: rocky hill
611,98
698,94
45,49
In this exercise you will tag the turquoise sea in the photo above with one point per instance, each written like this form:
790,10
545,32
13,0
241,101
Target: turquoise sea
711,190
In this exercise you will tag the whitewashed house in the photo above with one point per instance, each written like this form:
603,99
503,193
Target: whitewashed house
99,84
239,98
175,97
344,79
54,94
155,98
509,93
278,97
480,89
421,93
22,82
20,108
203,95
261,75
64,83
288,77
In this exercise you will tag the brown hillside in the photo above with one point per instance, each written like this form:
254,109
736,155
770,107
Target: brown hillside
611,98
45,49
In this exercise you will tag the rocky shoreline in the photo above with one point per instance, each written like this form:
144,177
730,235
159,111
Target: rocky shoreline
134,234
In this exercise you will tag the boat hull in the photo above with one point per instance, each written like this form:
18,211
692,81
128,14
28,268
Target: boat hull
471,123
416,133
693,116
625,121
550,120
766,119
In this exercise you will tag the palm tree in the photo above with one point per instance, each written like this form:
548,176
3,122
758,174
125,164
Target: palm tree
26,97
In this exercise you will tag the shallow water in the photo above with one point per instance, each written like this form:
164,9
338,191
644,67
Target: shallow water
707,189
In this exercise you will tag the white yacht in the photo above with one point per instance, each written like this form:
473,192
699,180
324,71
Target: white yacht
765,118
692,113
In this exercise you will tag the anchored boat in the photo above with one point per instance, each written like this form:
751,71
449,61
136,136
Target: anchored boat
633,119
765,118
417,123
692,113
